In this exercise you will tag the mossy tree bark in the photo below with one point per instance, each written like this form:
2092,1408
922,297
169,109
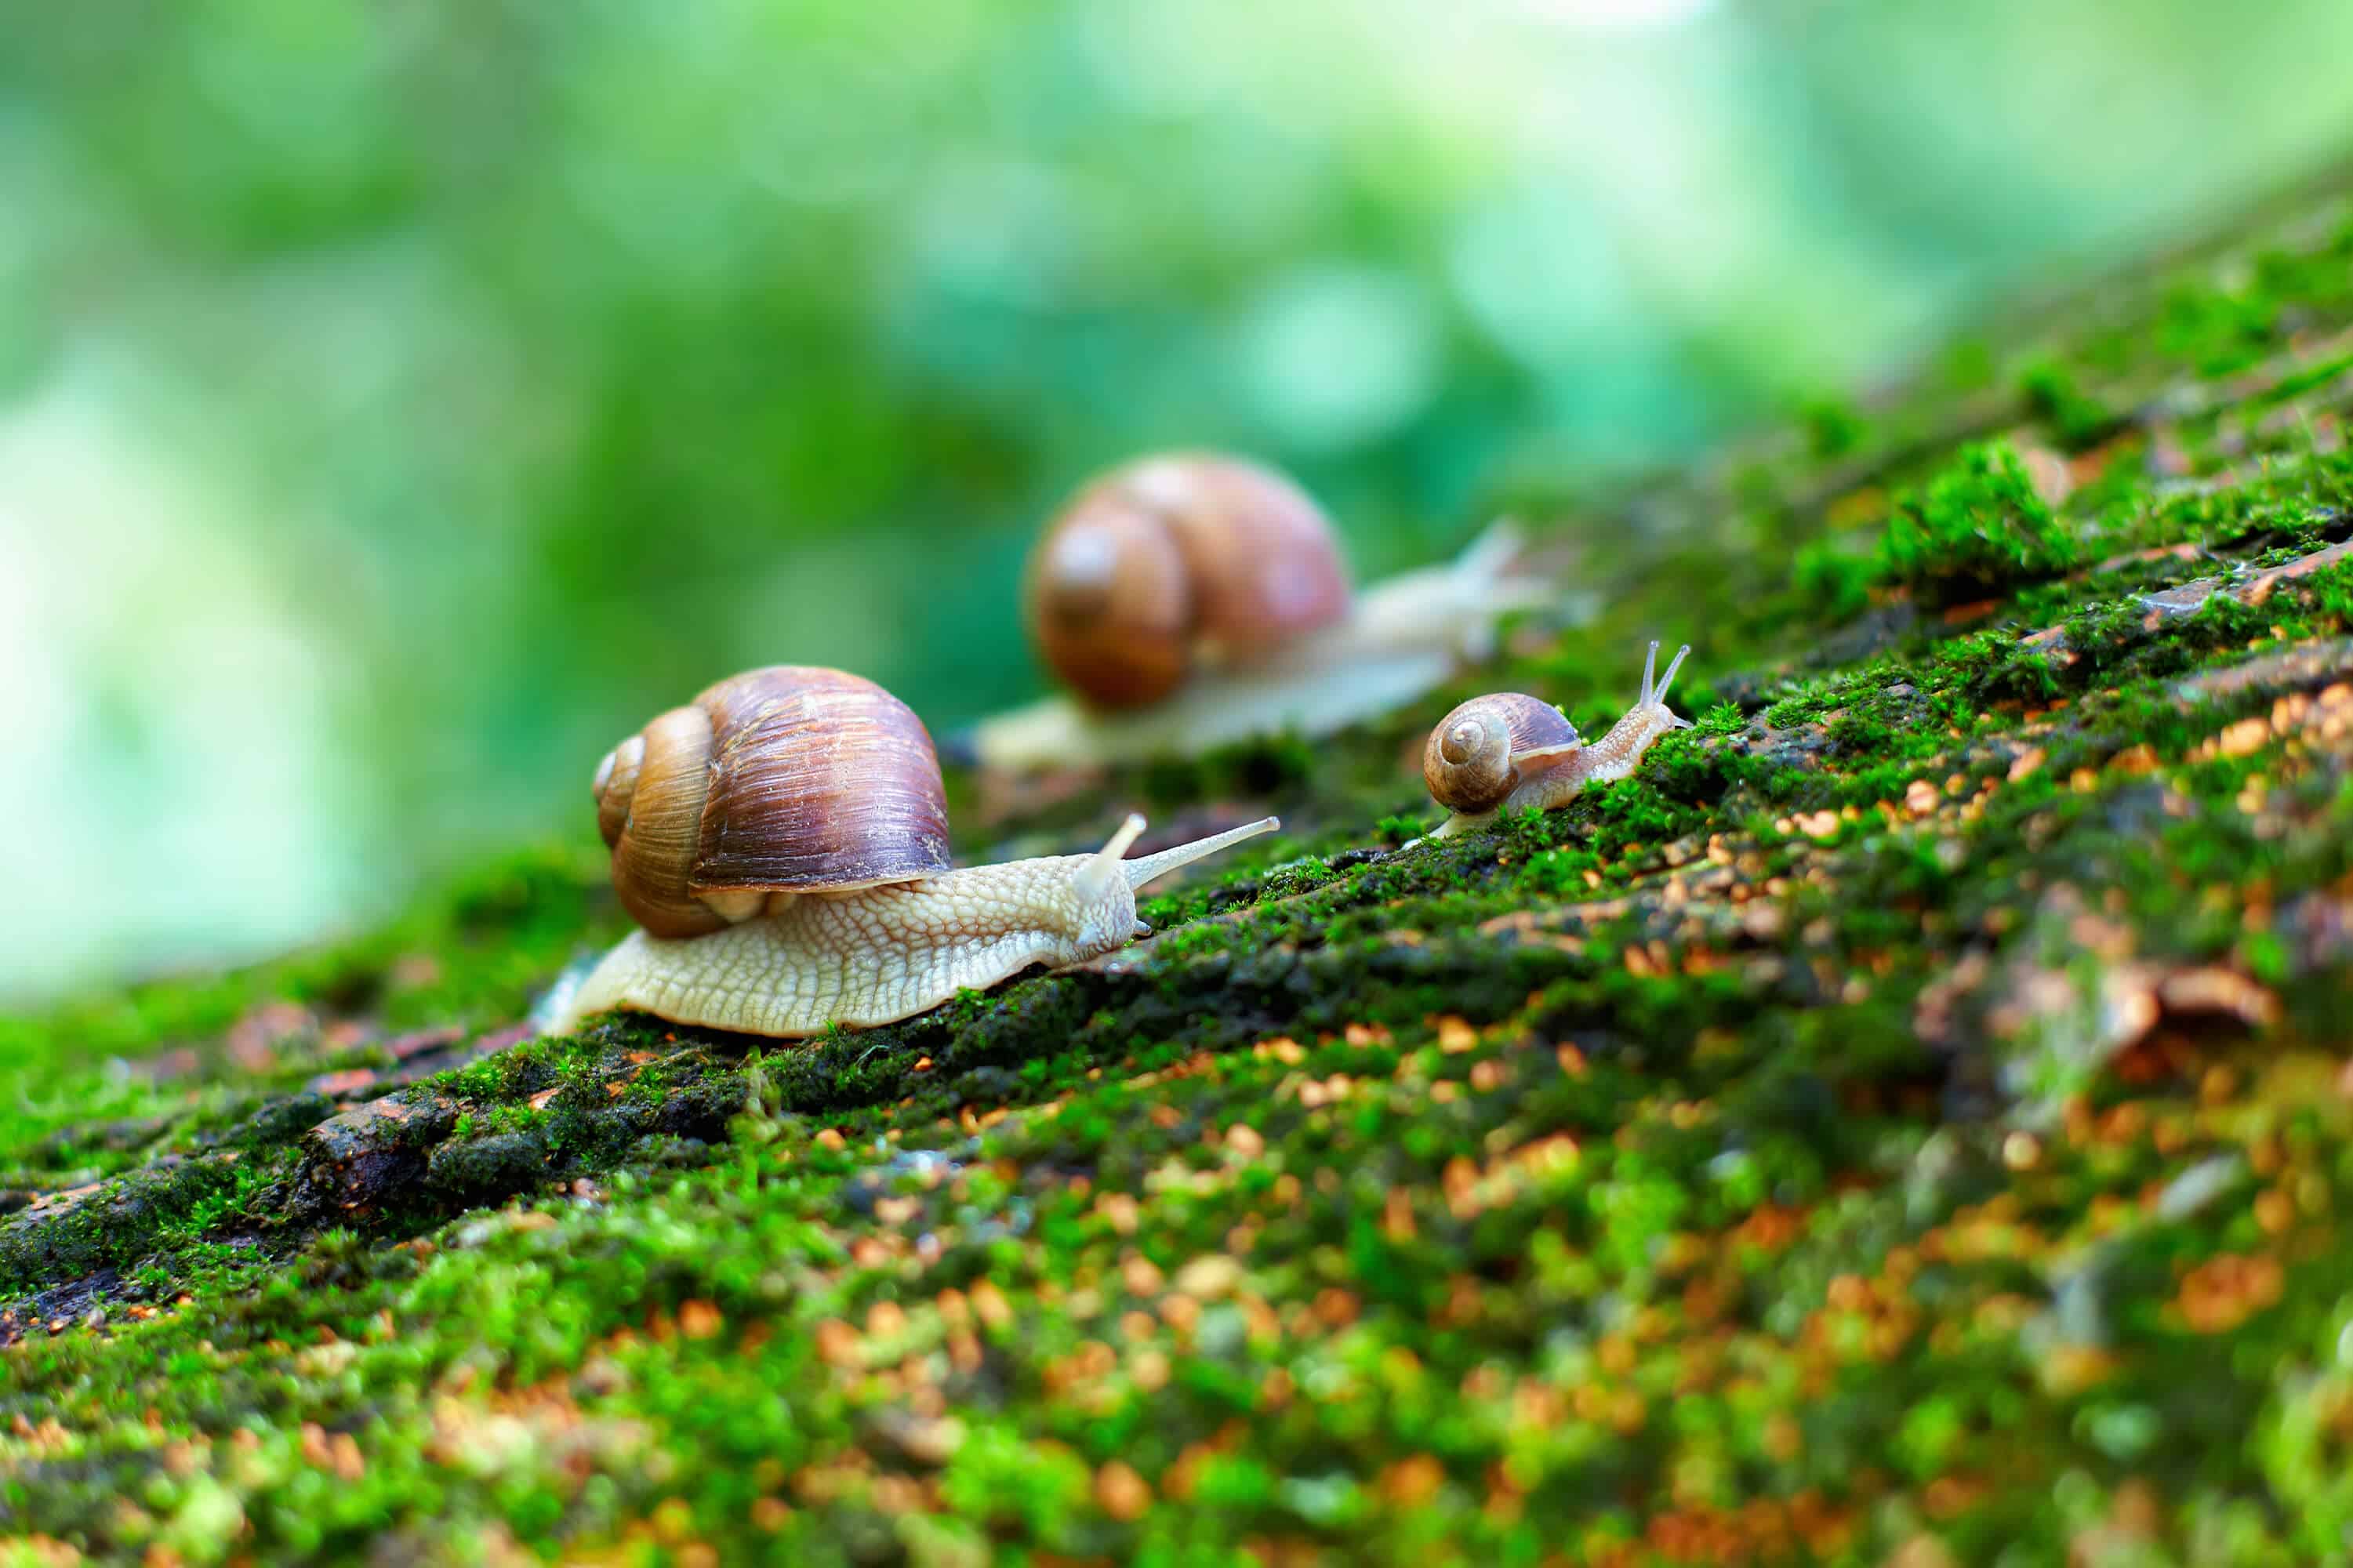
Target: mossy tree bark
1908,1117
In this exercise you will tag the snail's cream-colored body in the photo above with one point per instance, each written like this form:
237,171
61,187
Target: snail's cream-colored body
874,955
1402,637
1540,776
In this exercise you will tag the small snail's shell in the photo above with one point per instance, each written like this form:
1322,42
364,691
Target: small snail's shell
1173,557
788,779
1467,763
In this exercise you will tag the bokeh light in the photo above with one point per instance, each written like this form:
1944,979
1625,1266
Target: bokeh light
399,403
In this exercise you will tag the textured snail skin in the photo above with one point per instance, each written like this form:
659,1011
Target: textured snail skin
879,954
1402,637
1558,775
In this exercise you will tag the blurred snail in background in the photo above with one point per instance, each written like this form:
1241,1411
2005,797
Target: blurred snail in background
1191,599
783,842
1508,750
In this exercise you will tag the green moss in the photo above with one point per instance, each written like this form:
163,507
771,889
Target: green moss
1917,1083
1973,531
2078,418
1833,580
1834,427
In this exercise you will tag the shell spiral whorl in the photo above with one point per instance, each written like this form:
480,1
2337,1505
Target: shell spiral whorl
1467,763
786,779
1169,558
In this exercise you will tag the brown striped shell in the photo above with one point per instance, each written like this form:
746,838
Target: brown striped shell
787,779
1467,763
1172,558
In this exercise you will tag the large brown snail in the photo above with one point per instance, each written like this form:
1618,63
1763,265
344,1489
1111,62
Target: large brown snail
1508,750
1190,599
781,841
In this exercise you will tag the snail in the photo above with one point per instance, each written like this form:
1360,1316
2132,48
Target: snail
782,842
1191,599
1508,750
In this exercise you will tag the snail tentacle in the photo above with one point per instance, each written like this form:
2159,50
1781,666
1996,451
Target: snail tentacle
1551,773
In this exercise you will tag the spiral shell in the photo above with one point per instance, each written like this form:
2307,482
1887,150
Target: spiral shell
1174,558
787,779
1467,763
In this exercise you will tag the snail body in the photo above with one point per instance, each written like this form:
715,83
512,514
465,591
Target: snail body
782,842
1189,600
1510,752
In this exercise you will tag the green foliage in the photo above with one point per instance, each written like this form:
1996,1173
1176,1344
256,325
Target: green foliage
1834,580
2058,398
1978,527
1834,427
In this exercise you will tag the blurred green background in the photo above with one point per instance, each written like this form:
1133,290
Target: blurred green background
400,401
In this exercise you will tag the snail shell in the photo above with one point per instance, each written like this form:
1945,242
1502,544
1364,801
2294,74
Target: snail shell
1467,762
1173,558
788,779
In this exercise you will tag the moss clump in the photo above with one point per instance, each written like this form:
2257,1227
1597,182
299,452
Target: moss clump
1975,529
1834,427
1834,581
2076,418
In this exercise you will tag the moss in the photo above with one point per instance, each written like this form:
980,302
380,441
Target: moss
1834,427
1973,531
2077,417
1833,580
1919,1082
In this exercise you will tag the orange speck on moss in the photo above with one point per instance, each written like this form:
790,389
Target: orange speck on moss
1121,1492
1412,1482
2224,1292
1396,1215
836,1342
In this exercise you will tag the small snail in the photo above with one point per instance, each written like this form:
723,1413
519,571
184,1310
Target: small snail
1508,750
782,840
1191,599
